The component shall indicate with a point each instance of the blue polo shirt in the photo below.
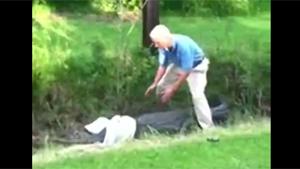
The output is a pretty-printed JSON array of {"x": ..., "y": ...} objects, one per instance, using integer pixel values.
[{"x": 184, "y": 53}]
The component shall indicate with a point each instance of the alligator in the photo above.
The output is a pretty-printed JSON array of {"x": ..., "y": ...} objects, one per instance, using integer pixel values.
[{"x": 171, "y": 122}]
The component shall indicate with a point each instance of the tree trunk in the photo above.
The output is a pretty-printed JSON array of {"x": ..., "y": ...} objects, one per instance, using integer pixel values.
[{"x": 150, "y": 20}]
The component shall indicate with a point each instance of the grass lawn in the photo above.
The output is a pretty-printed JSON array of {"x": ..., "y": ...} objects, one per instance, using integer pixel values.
[
  {"x": 240, "y": 147},
  {"x": 249, "y": 34}
]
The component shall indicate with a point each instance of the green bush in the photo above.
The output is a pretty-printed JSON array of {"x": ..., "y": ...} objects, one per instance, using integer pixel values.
[
  {"x": 83, "y": 69},
  {"x": 91, "y": 6},
  {"x": 240, "y": 76},
  {"x": 213, "y": 7},
  {"x": 74, "y": 77},
  {"x": 49, "y": 43},
  {"x": 258, "y": 6},
  {"x": 228, "y": 7}
]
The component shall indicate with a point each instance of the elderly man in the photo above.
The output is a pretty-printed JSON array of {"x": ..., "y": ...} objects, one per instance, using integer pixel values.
[{"x": 180, "y": 60}]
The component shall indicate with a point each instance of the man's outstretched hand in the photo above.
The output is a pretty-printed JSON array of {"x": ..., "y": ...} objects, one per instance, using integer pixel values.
[
  {"x": 150, "y": 89},
  {"x": 167, "y": 94}
]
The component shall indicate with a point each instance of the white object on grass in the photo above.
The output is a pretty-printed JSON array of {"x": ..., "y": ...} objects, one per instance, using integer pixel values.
[
  {"x": 97, "y": 126},
  {"x": 118, "y": 129}
]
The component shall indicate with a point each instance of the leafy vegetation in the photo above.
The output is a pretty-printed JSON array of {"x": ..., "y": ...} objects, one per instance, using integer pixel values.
[{"x": 84, "y": 66}]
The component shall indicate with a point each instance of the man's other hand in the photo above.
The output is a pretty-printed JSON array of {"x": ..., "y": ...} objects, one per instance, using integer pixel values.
[
  {"x": 150, "y": 89},
  {"x": 167, "y": 94}
]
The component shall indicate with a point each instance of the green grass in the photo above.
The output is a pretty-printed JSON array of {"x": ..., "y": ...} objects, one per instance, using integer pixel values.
[
  {"x": 66, "y": 53},
  {"x": 94, "y": 81},
  {"x": 210, "y": 33},
  {"x": 242, "y": 146},
  {"x": 229, "y": 33}
]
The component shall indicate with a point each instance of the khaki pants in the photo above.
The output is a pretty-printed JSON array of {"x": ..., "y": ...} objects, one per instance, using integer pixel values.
[{"x": 197, "y": 82}]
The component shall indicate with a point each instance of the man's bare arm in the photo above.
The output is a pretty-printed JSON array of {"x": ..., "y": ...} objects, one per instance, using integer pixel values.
[
  {"x": 159, "y": 74},
  {"x": 167, "y": 94},
  {"x": 182, "y": 76}
]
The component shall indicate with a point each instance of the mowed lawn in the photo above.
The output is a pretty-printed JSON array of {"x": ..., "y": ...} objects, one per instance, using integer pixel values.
[
  {"x": 243, "y": 147},
  {"x": 249, "y": 34}
]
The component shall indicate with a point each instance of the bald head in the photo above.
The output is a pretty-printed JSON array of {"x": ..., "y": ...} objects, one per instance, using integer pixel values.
[
  {"x": 160, "y": 31},
  {"x": 161, "y": 36}
]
